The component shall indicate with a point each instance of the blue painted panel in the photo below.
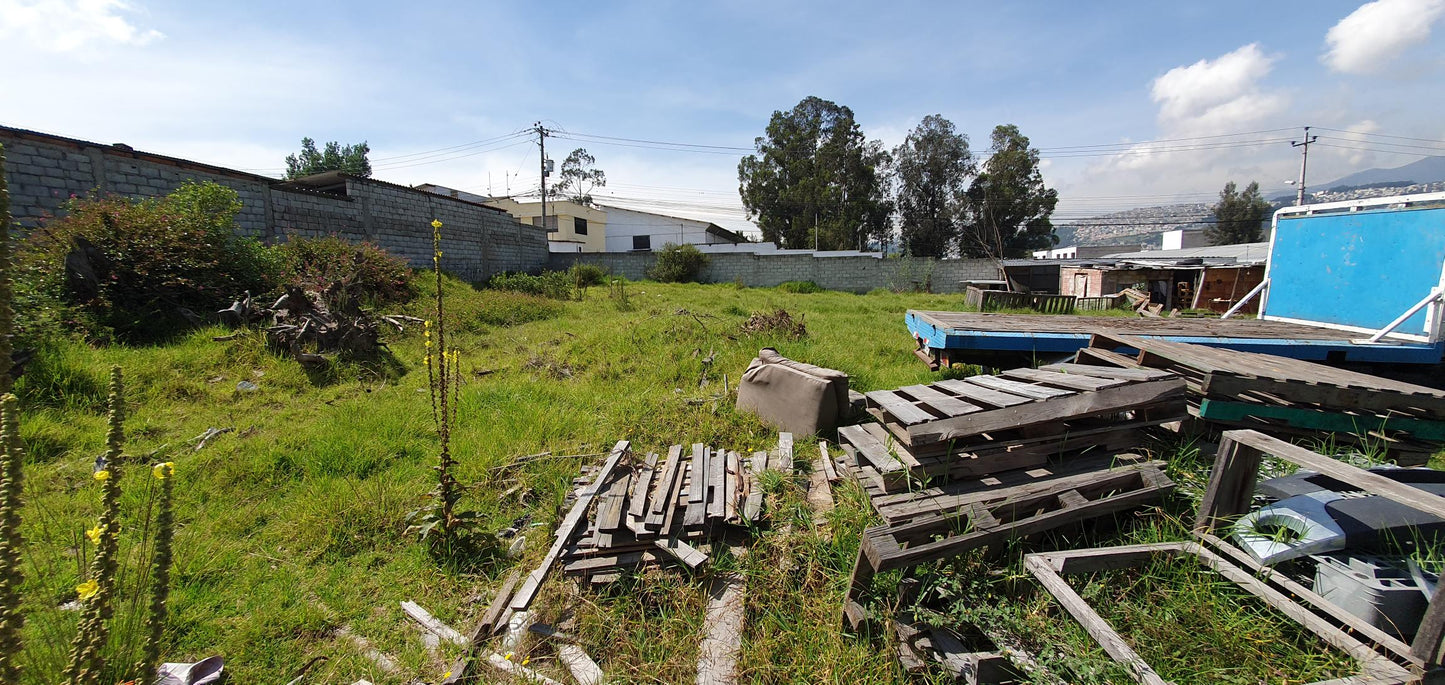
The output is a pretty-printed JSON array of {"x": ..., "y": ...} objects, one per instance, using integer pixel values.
[
  {"x": 1064, "y": 343},
  {"x": 1356, "y": 269}
]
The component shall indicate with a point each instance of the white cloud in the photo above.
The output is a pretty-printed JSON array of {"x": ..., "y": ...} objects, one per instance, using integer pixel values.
[
  {"x": 1218, "y": 95},
  {"x": 67, "y": 25},
  {"x": 1376, "y": 33}
]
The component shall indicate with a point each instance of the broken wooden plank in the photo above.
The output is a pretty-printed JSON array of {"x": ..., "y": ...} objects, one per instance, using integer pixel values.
[
  {"x": 730, "y": 499},
  {"x": 871, "y": 449},
  {"x": 753, "y": 506},
  {"x": 637, "y": 500},
  {"x": 717, "y": 472},
  {"x": 697, "y": 488},
  {"x": 565, "y": 530},
  {"x": 829, "y": 468},
  {"x": 583, "y": 669},
  {"x": 431, "y": 624},
  {"x": 782, "y": 458},
  {"x": 683, "y": 552},
  {"x": 717, "y": 659}
]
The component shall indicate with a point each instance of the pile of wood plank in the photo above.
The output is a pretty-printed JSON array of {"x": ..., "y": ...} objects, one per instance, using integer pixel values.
[
  {"x": 1280, "y": 394},
  {"x": 654, "y": 508},
  {"x": 1018, "y": 419}
]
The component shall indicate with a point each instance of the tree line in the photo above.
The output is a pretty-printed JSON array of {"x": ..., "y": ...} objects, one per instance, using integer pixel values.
[{"x": 816, "y": 181}]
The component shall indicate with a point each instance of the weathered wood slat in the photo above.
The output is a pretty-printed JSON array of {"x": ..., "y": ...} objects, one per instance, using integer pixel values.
[
  {"x": 1120, "y": 373},
  {"x": 904, "y": 411},
  {"x": 948, "y": 405},
  {"x": 871, "y": 449},
  {"x": 1030, "y": 391},
  {"x": 1063, "y": 380},
  {"x": 717, "y": 463},
  {"x": 1074, "y": 405},
  {"x": 697, "y": 488},
  {"x": 637, "y": 499},
  {"x": 978, "y": 394}
]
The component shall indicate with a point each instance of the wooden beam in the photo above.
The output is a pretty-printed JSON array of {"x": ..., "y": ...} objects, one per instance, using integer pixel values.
[
  {"x": 1076, "y": 405},
  {"x": 1230, "y": 491},
  {"x": 1373, "y": 483}
]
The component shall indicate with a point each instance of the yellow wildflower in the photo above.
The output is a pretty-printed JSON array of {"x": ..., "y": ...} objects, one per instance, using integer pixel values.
[
  {"x": 509, "y": 656},
  {"x": 94, "y": 534},
  {"x": 446, "y": 675},
  {"x": 101, "y": 475},
  {"x": 436, "y": 223},
  {"x": 87, "y": 589},
  {"x": 163, "y": 471},
  {"x": 526, "y": 661}
]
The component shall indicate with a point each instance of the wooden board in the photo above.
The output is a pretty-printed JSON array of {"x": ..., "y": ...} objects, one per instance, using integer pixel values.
[
  {"x": 1110, "y": 400},
  {"x": 978, "y": 394}
]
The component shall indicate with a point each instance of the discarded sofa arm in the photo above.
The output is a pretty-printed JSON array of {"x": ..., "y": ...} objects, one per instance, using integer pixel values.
[{"x": 801, "y": 398}]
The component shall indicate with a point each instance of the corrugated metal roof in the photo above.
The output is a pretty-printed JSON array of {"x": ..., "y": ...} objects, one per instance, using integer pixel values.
[{"x": 1243, "y": 253}]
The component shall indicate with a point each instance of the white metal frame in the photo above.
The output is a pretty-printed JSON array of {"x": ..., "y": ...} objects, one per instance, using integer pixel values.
[{"x": 1433, "y": 303}]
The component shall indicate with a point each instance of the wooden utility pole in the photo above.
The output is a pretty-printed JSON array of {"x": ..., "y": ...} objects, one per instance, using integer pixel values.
[{"x": 1304, "y": 162}]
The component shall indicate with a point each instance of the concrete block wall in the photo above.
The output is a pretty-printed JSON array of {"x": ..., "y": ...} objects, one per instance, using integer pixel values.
[
  {"x": 44, "y": 172},
  {"x": 852, "y": 274}
]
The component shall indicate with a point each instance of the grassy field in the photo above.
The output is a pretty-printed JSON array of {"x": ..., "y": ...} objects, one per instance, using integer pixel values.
[{"x": 291, "y": 544}]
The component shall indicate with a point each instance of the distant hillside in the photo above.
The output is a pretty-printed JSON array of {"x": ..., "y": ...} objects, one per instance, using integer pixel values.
[
  {"x": 1427, "y": 170},
  {"x": 1134, "y": 227}
]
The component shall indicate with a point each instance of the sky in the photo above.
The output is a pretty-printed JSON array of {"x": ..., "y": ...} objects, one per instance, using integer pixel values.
[{"x": 1130, "y": 103}]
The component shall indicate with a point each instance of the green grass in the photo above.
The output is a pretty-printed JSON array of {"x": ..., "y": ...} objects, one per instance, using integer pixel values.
[{"x": 291, "y": 527}]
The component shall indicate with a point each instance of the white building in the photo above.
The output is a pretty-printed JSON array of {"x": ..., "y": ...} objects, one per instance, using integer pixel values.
[{"x": 631, "y": 230}]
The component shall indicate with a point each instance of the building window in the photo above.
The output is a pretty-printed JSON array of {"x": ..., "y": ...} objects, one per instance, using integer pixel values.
[
  {"x": 579, "y": 225},
  {"x": 642, "y": 243}
]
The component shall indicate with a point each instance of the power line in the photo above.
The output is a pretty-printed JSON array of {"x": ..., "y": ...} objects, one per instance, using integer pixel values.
[{"x": 1382, "y": 135}]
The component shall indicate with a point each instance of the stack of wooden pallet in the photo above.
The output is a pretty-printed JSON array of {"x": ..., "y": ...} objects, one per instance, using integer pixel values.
[
  {"x": 654, "y": 508},
  {"x": 1281, "y": 394},
  {"x": 1018, "y": 419}
]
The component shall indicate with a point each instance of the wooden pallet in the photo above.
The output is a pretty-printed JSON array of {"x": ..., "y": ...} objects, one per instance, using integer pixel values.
[
  {"x": 1039, "y": 504},
  {"x": 1260, "y": 390},
  {"x": 952, "y": 410}
]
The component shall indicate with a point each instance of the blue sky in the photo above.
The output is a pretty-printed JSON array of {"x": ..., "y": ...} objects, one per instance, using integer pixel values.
[{"x": 238, "y": 84}]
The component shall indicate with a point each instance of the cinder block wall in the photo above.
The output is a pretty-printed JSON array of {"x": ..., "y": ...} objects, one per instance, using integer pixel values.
[
  {"x": 852, "y": 274},
  {"x": 43, "y": 172}
]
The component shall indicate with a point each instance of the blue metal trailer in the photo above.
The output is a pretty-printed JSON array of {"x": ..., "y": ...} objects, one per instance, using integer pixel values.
[{"x": 1358, "y": 281}]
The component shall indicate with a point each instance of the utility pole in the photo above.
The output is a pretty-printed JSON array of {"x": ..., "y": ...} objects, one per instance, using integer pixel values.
[
  {"x": 542, "y": 143},
  {"x": 1303, "y": 163}
]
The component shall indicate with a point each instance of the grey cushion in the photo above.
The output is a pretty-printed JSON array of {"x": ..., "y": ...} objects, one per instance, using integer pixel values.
[{"x": 793, "y": 396}]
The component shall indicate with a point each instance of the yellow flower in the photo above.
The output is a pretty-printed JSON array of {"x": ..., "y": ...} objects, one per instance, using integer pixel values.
[
  {"x": 101, "y": 475},
  {"x": 163, "y": 471},
  {"x": 526, "y": 661},
  {"x": 87, "y": 589},
  {"x": 446, "y": 675},
  {"x": 509, "y": 656},
  {"x": 94, "y": 534},
  {"x": 436, "y": 223}
]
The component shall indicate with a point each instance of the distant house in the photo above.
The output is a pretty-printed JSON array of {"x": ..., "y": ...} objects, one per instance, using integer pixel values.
[
  {"x": 1078, "y": 251},
  {"x": 632, "y": 230},
  {"x": 1212, "y": 278},
  {"x": 571, "y": 227}
]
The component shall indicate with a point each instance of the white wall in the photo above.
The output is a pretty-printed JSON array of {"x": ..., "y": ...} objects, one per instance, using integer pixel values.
[{"x": 623, "y": 224}]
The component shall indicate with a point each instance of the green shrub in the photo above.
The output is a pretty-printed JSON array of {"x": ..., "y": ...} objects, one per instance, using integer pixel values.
[
  {"x": 315, "y": 263},
  {"x": 506, "y": 308},
  {"x": 587, "y": 275},
  {"x": 554, "y": 284},
  {"x": 803, "y": 287},
  {"x": 677, "y": 264},
  {"x": 145, "y": 270}
]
